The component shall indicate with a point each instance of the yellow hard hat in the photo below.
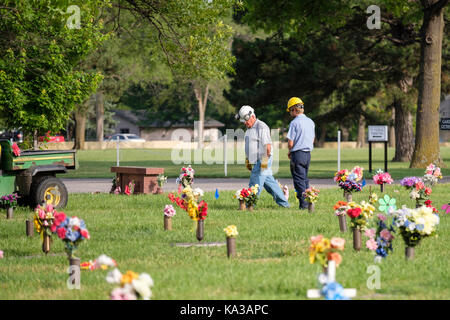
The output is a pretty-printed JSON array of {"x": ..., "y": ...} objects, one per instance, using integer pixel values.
[{"x": 292, "y": 102}]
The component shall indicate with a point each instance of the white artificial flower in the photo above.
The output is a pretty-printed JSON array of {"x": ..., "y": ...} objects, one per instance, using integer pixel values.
[
  {"x": 105, "y": 260},
  {"x": 142, "y": 288},
  {"x": 414, "y": 195},
  {"x": 146, "y": 278},
  {"x": 114, "y": 276},
  {"x": 198, "y": 192},
  {"x": 74, "y": 222}
]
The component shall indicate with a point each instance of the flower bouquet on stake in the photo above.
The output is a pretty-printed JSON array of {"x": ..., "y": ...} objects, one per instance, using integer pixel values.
[
  {"x": 129, "y": 189},
  {"x": 340, "y": 210},
  {"x": 186, "y": 178},
  {"x": 102, "y": 262},
  {"x": 43, "y": 220},
  {"x": 169, "y": 212},
  {"x": 311, "y": 196},
  {"x": 360, "y": 215},
  {"x": 380, "y": 239},
  {"x": 231, "y": 233},
  {"x": 247, "y": 196},
  {"x": 432, "y": 175},
  {"x": 9, "y": 202},
  {"x": 132, "y": 285},
  {"x": 161, "y": 180},
  {"x": 382, "y": 178},
  {"x": 322, "y": 250},
  {"x": 414, "y": 225},
  {"x": 348, "y": 181},
  {"x": 72, "y": 231},
  {"x": 115, "y": 188}
]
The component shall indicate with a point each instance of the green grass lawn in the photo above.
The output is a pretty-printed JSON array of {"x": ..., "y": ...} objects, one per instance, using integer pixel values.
[
  {"x": 272, "y": 251},
  {"x": 97, "y": 163}
]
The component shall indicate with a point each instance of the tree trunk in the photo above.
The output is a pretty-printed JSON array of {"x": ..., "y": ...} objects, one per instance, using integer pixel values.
[
  {"x": 100, "y": 111},
  {"x": 202, "y": 99},
  {"x": 345, "y": 133},
  {"x": 404, "y": 133},
  {"x": 426, "y": 148},
  {"x": 323, "y": 133},
  {"x": 361, "y": 132},
  {"x": 392, "y": 129},
  {"x": 80, "y": 128}
]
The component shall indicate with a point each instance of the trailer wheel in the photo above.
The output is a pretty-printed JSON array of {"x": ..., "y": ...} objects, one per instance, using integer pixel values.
[{"x": 50, "y": 190}]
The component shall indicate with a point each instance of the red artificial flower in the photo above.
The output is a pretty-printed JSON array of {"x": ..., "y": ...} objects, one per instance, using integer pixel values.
[
  {"x": 428, "y": 203},
  {"x": 427, "y": 191},
  {"x": 85, "y": 233},
  {"x": 127, "y": 190},
  {"x": 16, "y": 149},
  {"x": 354, "y": 213},
  {"x": 202, "y": 210},
  {"x": 171, "y": 197},
  {"x": 61, "y": 233}
]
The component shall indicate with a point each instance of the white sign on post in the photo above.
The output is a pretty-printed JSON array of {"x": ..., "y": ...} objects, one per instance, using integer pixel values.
[{"x": 378, "y": 133}]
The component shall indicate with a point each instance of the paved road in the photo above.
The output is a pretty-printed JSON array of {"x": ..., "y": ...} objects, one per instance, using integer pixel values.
[{"x": 207, "y": 184}]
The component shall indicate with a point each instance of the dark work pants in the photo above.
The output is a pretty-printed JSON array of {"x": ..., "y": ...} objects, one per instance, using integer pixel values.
[{"x": 299, "y": 170}]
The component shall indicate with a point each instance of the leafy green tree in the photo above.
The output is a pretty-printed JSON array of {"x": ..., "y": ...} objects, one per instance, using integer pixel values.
[{"x": 39, "y": 54}]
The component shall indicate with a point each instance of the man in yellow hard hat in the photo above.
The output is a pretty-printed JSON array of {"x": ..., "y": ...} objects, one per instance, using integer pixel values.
[{"x": 300, "y": 137}]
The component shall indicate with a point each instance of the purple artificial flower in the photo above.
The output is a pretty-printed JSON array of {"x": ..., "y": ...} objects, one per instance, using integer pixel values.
[{"x": 409, "y": 182}]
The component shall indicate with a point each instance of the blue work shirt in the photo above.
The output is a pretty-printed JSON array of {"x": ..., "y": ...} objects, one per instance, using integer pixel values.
[{"x": 301, "y": 132}]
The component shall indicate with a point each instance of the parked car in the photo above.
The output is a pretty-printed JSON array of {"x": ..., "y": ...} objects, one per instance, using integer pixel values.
[
  {"x": 52, "y": 138},
  {"x": 126, "y": 137}
]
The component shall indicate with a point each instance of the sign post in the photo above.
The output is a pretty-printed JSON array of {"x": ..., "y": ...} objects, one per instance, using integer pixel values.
[{"x": 378, "y": 134}]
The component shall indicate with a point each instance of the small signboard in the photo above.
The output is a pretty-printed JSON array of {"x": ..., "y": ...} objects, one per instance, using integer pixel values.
[
  {"x": 378, "y": 133},
  {"x": 445, "y": 124}
]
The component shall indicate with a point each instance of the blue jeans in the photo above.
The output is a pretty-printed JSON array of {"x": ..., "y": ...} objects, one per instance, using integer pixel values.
[
  {"x": 299, "y": 169},
  {"x": 264, "y": 178}
]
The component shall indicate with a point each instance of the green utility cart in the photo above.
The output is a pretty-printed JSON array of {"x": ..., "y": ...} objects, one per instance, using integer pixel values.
[{"x": 32, "y": 174}]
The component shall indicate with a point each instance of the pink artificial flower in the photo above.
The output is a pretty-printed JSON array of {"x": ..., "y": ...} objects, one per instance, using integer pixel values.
[
  {"x": 53, "y": 227},
  {"x": 381, "y": 217},
  {"x": 60, "y": 217},
  {"x": 41, "y": 214},
  {"x": 127, "y": 190},
  {"x": 427, "y": 191},
  {"x": 370, "y": 233},
  {"x": 316, "y": 239},
  {"x": 446, "y": 208},
  {"x": 371, "y": 244},
  {"x": 337, "y": 243},
  {"x": 61, "y": 233},
  {"x": 45, "y": 223},
  {"x": 1, "y": 254},
  {"x": 386, "y": 235},
  {"x": 419, "y": 185},
  {"x": 16, "y": 149},
  {"x": 437, "y": 173},
  {"x": 49, "y": 207}
]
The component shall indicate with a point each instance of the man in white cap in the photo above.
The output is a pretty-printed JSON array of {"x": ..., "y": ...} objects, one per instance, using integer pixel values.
[{"x": 258, "y": 151}]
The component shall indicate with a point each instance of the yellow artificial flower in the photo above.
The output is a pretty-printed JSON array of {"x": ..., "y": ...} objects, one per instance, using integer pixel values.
[
  {"x": 231, "y": 231},
  {"x": 128, "y": 277},
  {"x": 323, "y": 245},
  {"x": 37, "y": 224},
  {"x": 193, "y": 210}
]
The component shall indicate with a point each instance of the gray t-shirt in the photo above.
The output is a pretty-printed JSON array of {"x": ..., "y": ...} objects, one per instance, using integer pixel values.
[{"x": 256, "y": 140}]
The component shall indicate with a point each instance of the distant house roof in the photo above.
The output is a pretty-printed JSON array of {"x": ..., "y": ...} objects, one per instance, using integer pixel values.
[{"x": 140, "y": 118}]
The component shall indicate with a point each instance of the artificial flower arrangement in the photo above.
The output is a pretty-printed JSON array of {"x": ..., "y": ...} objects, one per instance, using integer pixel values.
[
  {"x": 432, "y": 175},
  {"x": 248, "y": 195},
  {"x": 103, "y": 262},
  {"x": 132, "y": 285},
  {"x": 70, "y": 230},
  {"x": 415, "y": 224},
  {"x": 340, "y": 208},
  {"x": 311, "y": 195},
  {"x": 231, "y": 231},
  {"x": 9, "y": 201},
  {"x": 419, "y": 191},
  {"x": 161, "y": 179},
  {"x": 115, "y": 188},
  {"x": 381, "y": 178},
  {"x": 169, "y": 211},
  {"x": 189, "y": 203},
  {"x": 129, "y": 189},
  {"x": 380, "y": 239},
  {"x": 44, "y": 218},
  {"x": 186, "y": 177},
  {"x": 322, "y": 250},
  {"x": 360, "y": 214},
  {"x": 348, "y": 181}
]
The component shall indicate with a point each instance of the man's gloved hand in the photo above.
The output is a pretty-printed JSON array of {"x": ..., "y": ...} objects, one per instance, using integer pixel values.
[
  {"x": 264, "y": 162},
  {"x": 248, "y": 165}
]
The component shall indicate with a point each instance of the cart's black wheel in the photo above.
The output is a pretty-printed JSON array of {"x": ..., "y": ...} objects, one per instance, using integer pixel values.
[{"x": 50, "y": 190}]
